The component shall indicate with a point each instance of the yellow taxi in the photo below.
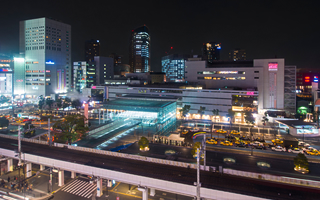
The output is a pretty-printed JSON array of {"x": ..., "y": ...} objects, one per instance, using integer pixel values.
[
  {"x": 277, "y": 141},
  {"x": 221, "y": 131},
  {"x": 211, "y": 141},
  {"x": 184, "y": 132},
  {"x": 226, "y": 143},
  {"x": 234, "y": 132},
  {"x": 313, "y": 152}
]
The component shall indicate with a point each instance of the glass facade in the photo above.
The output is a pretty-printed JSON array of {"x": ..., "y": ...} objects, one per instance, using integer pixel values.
[
  {"x": 140, "y": 50},
  {"x": 174, "y": 67}
]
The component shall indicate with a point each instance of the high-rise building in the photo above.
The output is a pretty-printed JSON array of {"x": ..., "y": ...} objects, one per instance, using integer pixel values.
[
  {"x": 211, "y": 51},
  {"x": 92, "y": 49},
  {"x": 139, "y": 55},
  {"x": 116, "y": 58},
  {"x": 174, "y": 67},
  {"x": 237, "y": 54},
  {"x": 46, "y": 46},
  {"x": 87, "y": 74},
  {"x": 6, "y": 75}
]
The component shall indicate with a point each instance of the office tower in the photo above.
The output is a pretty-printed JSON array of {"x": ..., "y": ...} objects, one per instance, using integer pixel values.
[
  {"x": 139, "y": 55},
  {"x": 174, "y": 67},
  {"x": 237, "y": 54},
  {"x": 46, "y": 46},
  {"x": 88, "y": 74},
  {"x": 92, "y": 49},
  {"x": 116, "y": 59},
  {"x": 211, "y": 51}
]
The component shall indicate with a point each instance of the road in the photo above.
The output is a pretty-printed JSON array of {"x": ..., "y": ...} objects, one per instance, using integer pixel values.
[{"x": 169, "y": 173}]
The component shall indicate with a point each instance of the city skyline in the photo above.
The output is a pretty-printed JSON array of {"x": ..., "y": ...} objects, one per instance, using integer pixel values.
[{"x": 263, "y": 29}]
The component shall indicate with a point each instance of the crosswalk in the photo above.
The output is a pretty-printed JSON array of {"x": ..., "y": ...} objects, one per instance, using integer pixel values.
[{"x": 80, "y": 188}]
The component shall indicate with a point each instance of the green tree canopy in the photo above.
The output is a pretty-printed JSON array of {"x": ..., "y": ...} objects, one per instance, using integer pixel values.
[
  {"x": 4, "y": 99},
  {"x": 59, "y": 103},
  {"x": 301, "y": 161},
  {"x": 231, "y": 114},
  {"x": 72, "y": 128},
  {"x": 76, "y": 104},
  {"x": 143, "y": 143},
  {"x": 201, "y": 111},
  {"x": 195, "y": 147},
  {"x": 249, "y": 117},
  {"x": 4, "y": 122},
  {"x": 185, "y": 110}
]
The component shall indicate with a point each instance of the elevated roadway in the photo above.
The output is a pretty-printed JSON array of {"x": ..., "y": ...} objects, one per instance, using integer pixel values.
[{"x": 162, "y": 177}]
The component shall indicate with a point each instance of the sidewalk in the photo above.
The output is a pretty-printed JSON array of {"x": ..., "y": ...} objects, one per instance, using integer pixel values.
[{"x": 29, "y": 192}]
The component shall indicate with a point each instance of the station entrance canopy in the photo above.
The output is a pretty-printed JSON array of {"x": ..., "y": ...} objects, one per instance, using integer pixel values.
[
  {"x": 151, "y": 112},
  {"x": 299, "y": 128}
]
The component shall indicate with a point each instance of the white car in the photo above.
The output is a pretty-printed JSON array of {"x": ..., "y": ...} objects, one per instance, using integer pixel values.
[
  {"x": 303, "y": 144},
  {"x": 309, "y": 149},
  {"x": 195, "y": 130},
  {"x": 256, "y": 143},
  {"x": 206, "y": 129},
  {"x": 295, "y": 150},
  {"x": 278, "y": 148}
]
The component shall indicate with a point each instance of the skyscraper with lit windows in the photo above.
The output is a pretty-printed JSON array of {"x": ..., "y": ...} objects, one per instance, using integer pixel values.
[
  {"x": 46, "y": 47},
  {"x": 211, "y": 51},
  {"x": 92, "y": 49},
  {"x": 139, "y": 55}
]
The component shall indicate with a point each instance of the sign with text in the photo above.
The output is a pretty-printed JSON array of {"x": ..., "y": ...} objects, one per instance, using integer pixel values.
[{"x": 273, "y": 66}]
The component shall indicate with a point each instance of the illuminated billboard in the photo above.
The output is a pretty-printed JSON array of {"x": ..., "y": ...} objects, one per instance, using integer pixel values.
[{"x": 273, "y": 66}]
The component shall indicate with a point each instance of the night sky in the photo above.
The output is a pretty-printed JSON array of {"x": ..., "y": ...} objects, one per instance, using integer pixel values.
[{"x": 264, "y": 28}]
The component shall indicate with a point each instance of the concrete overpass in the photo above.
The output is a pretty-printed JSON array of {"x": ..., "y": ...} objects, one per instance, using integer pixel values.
[{"x": 158, "y": 177}]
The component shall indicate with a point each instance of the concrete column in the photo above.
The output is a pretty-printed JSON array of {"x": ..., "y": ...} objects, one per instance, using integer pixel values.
[
  {"x": 29, "y": 170},
  {"x": 61, "y": 178},
  {"x": 268, "y": 130},
  {"x": 258, "y": 130},
  {"x": 144, "y": 191},
  {"x": 10, "y": 165},
  {"x": 99, "y": 187},
  {"x": 73, "y": 174},
  {"x": 42, "y": 167},
  {"x": 152, "y": 192}
]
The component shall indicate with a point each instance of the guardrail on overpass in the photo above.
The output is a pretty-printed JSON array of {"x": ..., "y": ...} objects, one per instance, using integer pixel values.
[
  {"x": 157, "y": 184},
  {"x": 116, "y": 154},
  {"x": 273, "y": 178}
]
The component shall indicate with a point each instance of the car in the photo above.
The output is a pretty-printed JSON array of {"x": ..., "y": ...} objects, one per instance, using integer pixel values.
[
  {"x": 312, "y": 152},
  {"x": 234, "y": 132},
  {"x": 278, "y": 148},
  {"x": 226, "y": 143},
  {"x": 242, "y": 145},
  {"x": 184, "y": 132},
  {"x": 211, "y": 141},
  {"x": 221, "y": 131},
  {"x": 303, "y": 144},
  {"x": 195, "y": 129},
  {"x": 206, "y": 130},
  {"x": 277, "y": 141},
  {"x": 295, "y": 150}
]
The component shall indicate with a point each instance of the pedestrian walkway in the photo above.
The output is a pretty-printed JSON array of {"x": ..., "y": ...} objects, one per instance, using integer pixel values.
[{"x": 80, "y": 188}]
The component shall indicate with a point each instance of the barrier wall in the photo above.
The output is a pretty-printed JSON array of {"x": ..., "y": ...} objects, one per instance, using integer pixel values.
[{"x": 268, "y": 177}]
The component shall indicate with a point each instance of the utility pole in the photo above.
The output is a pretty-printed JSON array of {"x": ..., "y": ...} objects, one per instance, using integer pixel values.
[{"x": 198, "y": 174}]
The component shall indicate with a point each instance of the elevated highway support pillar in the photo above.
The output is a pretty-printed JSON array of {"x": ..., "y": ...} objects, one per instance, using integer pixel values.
[
  {"x": 29, "y": 169},
  {"x": 99, "y": 187},
  {"x": 61, "y": 178},
  {"x": 152, "y": 192},
  {"x": 10, "y": 165},
  {"x": 144, "y": 191},
  {"x": 73, "y": 174},
  {"x": 42, "y": 167}
]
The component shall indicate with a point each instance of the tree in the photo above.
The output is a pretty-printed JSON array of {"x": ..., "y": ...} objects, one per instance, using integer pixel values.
[
  {"x": 196, "y": 146},
  {"x": 4, "y": 122},
  {"x": 27, "y": 126},
  {"x": 249, "y": 117},
  {"x": 66, "y": 103},
  {"x": 185, "y": 110},
  {"x": 143, "y": 143},
  {"x": 41, "y": 103},
  {"x": 49, "y": 102},
  {"x": 264, "y": 120},
  {"x": 201, "y": 111},
  {"x": 76, "y": 104},
  {"x": 59, "y": 103},
  {"x": 4, "y": 99},
  {"x": 301, "y": 161},
  {"x": 215, "y": 112},
  {"x": 231, "y": 114},
  {"x": 72, "y": 128}
]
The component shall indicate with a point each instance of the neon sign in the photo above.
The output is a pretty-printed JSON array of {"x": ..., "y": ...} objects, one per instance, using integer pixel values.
[
  {"x": 307, "y": 79},
  {"x": 273, "y": 66},
  {"x": 250, "y": 93},
  {"x": 315, "y": 79}
]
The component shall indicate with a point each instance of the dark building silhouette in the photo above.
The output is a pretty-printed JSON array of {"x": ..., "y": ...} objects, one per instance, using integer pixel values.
[
  {"x": 211, "y": 51},
  {"x": 92, "y": 49}
]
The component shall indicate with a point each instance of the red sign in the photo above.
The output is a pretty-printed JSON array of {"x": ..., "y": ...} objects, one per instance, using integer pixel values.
[{"x": 273, "y": 66}]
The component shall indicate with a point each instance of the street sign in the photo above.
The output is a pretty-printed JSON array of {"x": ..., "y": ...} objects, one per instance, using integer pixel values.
[{"x": 98, "y": 189}]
